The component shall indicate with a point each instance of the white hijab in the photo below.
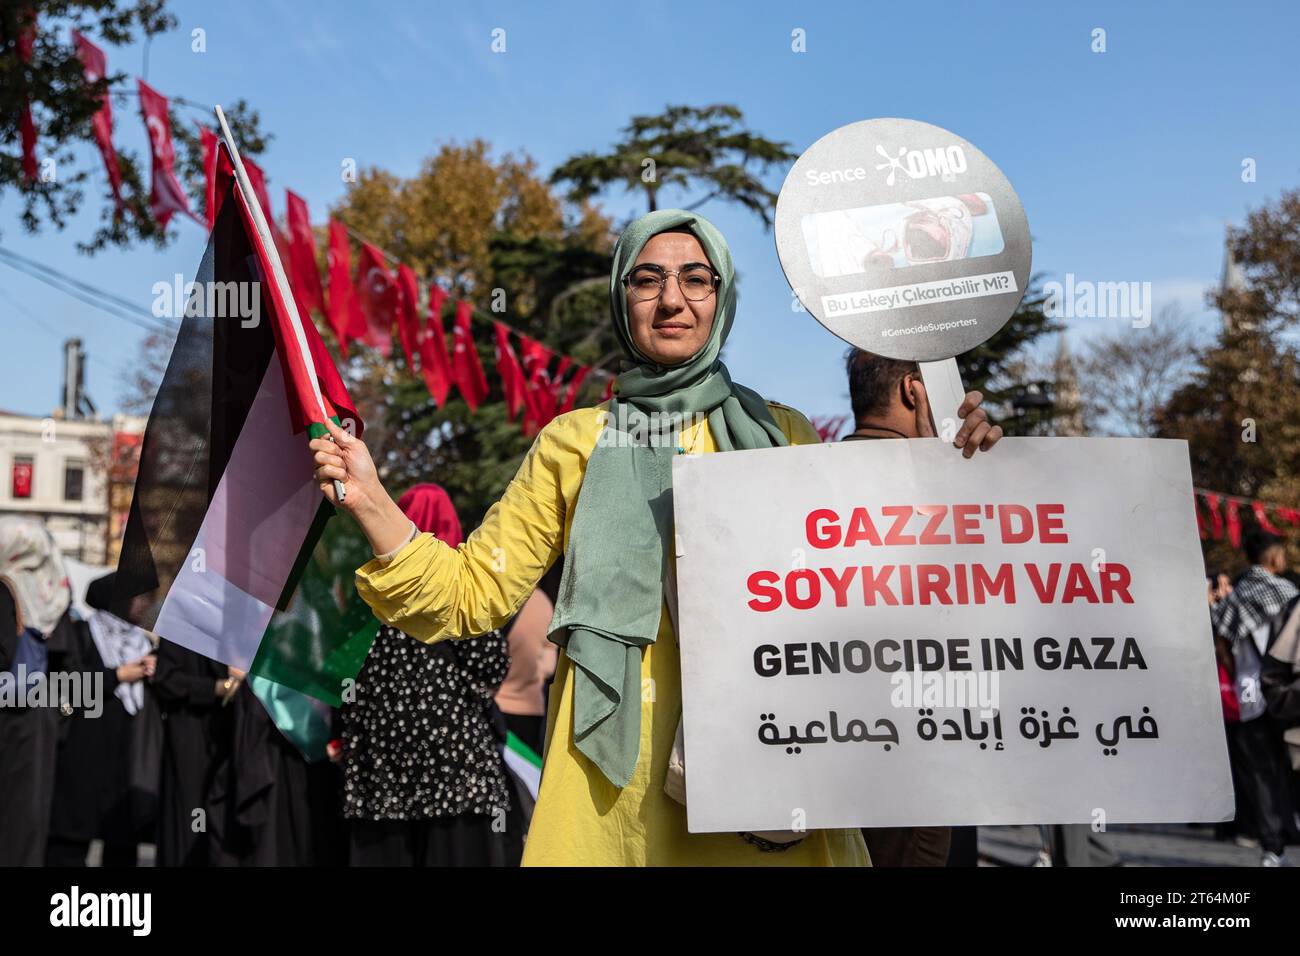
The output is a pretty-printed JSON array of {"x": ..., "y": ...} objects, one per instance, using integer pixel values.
[{"x": 33, "y": 568}]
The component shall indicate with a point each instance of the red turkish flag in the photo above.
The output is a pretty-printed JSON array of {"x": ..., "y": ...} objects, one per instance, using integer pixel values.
[
  {"x": 1261, "y": 518},
  {"x": 166, "y": 197},
  {"x": 208, "y": 142},
  {"x": 302, "y": 256},
  {"x": 344, "y": 313},
  {"x": 609, "y": 389},
  {"x": 257, "y": 179},
  {"x": 377, "y": 296},
  {"x": 466, "y": 370},
  {"x": 1216, "y": 518},
  {"x": 571, "y": 393},
  {"x": 408, "y": 324},
  {"x": 548, "y": 393},
  {"x": 434, "y": 364},
  {"x": 94, "y": 65},
  {"x": 26, "y": 125},
  {"x": 513, "y": 385},
  {"x": 536, "y": 357},
  {"x": 1234, "y": 523}
]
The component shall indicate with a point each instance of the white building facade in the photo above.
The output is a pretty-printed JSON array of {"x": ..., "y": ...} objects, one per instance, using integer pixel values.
[{"x": 58, "y": 472}]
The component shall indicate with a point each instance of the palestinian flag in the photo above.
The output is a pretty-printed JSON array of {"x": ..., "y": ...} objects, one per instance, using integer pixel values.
[{"x": 226, "y": 525}]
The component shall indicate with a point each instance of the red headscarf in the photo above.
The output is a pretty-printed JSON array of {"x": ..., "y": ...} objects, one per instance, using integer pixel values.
[{"x": 430, "y": 507}]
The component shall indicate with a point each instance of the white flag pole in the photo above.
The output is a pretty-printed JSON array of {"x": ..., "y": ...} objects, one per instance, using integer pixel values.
[{"x": 277, "y": 269}]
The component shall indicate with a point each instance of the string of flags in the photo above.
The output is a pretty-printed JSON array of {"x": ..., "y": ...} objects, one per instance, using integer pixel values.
[
  {"x": 1219, "y": 514},
  {"x": 829, "y": 427},
  {"x": 363, "y": 307}
]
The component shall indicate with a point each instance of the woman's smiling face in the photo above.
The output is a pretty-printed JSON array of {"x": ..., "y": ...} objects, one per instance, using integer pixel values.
[{"x": 670, "y": 329}]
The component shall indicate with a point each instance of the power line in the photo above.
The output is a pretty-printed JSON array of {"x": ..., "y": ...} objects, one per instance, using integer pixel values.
[
  {"x": 95, "y": 297},
  {"x": 126, "y": 304}
]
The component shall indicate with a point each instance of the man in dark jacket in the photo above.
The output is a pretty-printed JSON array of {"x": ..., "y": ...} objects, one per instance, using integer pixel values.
[{"x": 889, "y": 401}]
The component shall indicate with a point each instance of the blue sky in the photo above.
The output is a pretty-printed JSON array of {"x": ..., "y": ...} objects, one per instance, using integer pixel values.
[{"x": 1128, "y": 162}]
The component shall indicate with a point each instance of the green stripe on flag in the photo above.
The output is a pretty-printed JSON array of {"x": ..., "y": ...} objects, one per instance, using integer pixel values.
[
  {"x": 318, "y": 429},
  {"x": 523, "y": 750},
  {"x": 320, "y": 638}
]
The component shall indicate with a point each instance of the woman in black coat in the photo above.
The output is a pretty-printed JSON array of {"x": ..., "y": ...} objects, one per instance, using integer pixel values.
[
  {"x": 192, "y": 692},
  {"x": 92, "y": 793}
]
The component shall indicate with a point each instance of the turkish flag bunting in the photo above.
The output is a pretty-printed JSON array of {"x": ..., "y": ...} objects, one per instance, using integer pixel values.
[
  {"x": 434, "y": 365},
  {"x": 1234, "y": 523},
  {"x": 1216, "y": 518},
  {"x": 513, "y": 385},
  {"x": 1261, "y": 518},
  {"x": 344, "y": 313},
  {"x": 550, "y": 395},
  {"x": 94, "y": 65},
  {"x": 208, "y": 141},
  {"x": 26, "y": 125},
  {"x": 466, "y": 370},
  {"x": 536, "y": 357},
  {"x": 377, "y": 295},
  {"x": 302, "y": 256},
  {"x": 257, "y": 179},
  {"x": 408, "y": 304},
  {"x": 571, "y": 393},
  {"x": 166, "y": 197}
]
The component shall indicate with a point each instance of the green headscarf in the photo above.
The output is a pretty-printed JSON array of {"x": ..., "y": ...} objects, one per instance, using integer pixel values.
[{"x": 612, "y": 589}]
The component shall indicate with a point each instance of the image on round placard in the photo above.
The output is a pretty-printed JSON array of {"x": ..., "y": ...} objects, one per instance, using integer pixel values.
[{"x": 903, "y": 239}]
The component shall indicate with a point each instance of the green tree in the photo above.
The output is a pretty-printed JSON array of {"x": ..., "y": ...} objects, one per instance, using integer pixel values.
[
  {"x": 687, "y": 147},
  {"x": 1022, "y": 402},
  {"x": 63, "y": 103},
  {"x": 1240, "y": 413}
]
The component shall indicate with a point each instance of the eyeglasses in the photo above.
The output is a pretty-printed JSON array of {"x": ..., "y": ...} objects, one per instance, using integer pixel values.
[{"x": 697, "y": 282}]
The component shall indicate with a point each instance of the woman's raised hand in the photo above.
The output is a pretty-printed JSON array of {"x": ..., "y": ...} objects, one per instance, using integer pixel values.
[{"x": 347, "y": 459}]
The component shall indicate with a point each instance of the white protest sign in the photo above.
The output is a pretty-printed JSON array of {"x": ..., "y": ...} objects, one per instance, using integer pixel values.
[{"x": 875, "y": 634}]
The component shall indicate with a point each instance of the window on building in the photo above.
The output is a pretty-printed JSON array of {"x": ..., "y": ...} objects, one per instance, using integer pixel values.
[
  {"x": 22, "y": 477},
  {"x": 74, "y": 476}
]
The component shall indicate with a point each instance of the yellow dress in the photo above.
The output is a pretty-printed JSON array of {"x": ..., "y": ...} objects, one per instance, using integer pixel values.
[{"x": 434, "y": 592}]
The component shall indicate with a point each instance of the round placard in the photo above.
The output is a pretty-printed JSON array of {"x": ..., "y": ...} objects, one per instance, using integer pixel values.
[{"x": 903, "y": 239}]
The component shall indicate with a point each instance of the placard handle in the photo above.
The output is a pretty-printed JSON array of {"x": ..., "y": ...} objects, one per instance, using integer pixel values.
[{"x": 945, "y": 391}]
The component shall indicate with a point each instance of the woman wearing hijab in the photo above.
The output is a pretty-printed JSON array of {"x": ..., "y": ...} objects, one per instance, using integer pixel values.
[
  {"x": 592, "y": 489},
  {"x": 423, "y": 777},
  {"x": 34, "y": 597},
  {"x": 92, "y": 793}
]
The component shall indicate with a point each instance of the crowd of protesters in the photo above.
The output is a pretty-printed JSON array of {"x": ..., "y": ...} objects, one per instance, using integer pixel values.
[
  {"x": 189, "y": 754},
  {"x": 183, "y": 756},
  {"x": 1255, "y": 619},
  {"x": 110, "y": 735}
]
